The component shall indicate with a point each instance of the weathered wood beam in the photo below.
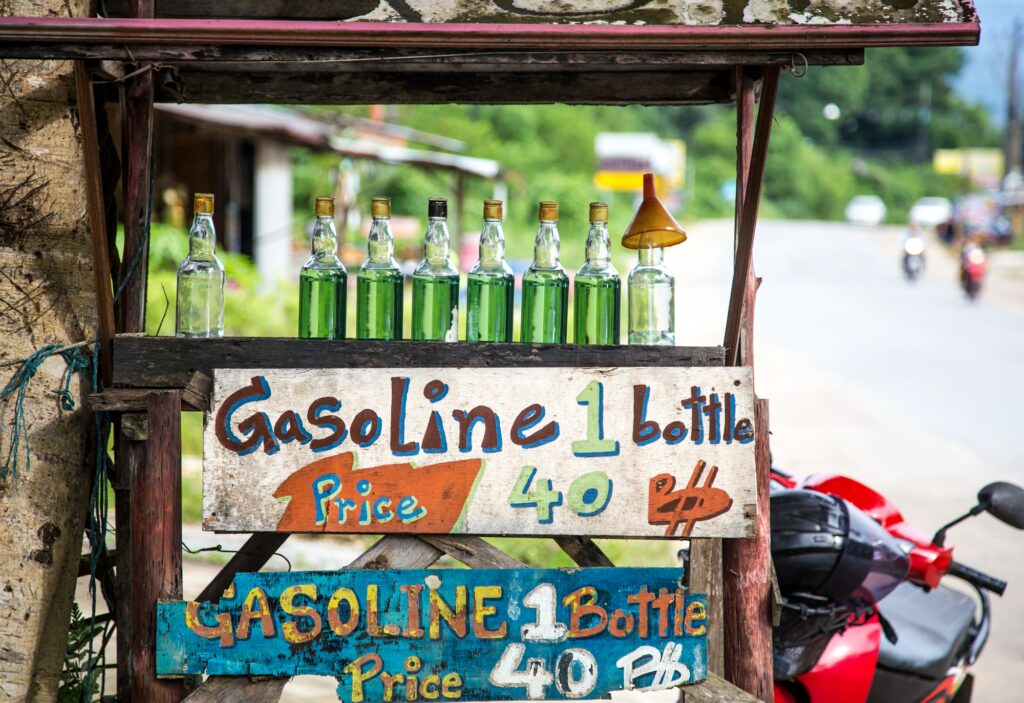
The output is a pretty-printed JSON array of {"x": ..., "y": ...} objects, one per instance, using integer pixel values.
[
  {"x": 168, "y": 362},
  {"x": 256, "y": 552},
  {"x": 198, "y": 83},
  {"x": 474, "y": 552},
  {"x": 238, "y": 689},
  {"x": 97, "y": 217},
  {"x": 748, "y": 584},
  {"x": 715, "y": 689},
  {"x": 195, "y": 395},
  {"x": 583, "y": 550},
  {"x": 155, "y": 545},
  {"x": 748, "y": 215}
]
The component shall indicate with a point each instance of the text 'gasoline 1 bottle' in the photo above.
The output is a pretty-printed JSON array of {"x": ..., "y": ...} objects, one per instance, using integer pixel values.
[
  {"x": 597, "y": 286},
  {"x": 323, "y": 281},
  {"x": 379, "y": 282},
  {"x": 490, "y": 284},
  {"x": 199, "y": 310},
  {"x": 545, "y": 285},
  {"x": 435, "y": 283}
]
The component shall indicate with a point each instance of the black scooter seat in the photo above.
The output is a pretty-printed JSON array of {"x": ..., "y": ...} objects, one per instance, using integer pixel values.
[{"x": 932, "y": 629}]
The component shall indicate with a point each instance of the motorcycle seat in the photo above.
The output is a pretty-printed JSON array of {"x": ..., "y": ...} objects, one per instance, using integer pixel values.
[{"x": 931, "y": 629}]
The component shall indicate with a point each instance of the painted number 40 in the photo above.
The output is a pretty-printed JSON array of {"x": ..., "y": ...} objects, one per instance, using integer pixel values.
[{"x": 575, "y": 674}]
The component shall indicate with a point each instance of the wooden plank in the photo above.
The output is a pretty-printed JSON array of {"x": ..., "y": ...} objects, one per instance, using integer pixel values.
[
  {"x": 747, "y": 567},
  {"x": 168, "y": 362},
  {"x": 256, "y": 552},
  {"x": 583, "y": 551},
  {"x": 473, "y": 552},
  {"x": 715, "y": 689},
  {"x": 748, "y": 216},
  {"x": 156, "y": 544},
  {"x": 586, "y": 632},
  {"x": 130, "y": 460},
  {"x": 706, "y": 577},
  {"x": 591, "y": 87},
  {"x": 613, "y": 452},
  {"x": 237, "y": 689},
  {"x": 195, "y": 395},
  {"x": 97, "y": 217}
]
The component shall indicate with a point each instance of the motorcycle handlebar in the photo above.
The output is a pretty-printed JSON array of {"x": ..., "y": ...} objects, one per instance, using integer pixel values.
[{"x": 979, "y": 579}]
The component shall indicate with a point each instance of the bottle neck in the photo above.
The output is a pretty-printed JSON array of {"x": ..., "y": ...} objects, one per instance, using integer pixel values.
[
  {"x": 381, "y": 242},
  {"x": 598, "y": 246},
  {"x": 653, "y": 256},
  {"x": 546, "y": 253},
  {"x": 202, "y": 239},
  {"x": 325, "y": 237},
  {"x": 437, "y": 242},
  {"x": 492, "y": 246}
]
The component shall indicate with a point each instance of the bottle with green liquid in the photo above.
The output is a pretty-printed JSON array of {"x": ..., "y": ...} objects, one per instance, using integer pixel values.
[
  {"x": 323, "y": 281},
  {"x": 379, "y": 282},
  {"x": 545, "y": 285},
  {"x": 199, "y": 308},
  {"x": 435, "y": 283},
  {"x": 596, "y": 289},
  {"x": 490, "y": 284}
]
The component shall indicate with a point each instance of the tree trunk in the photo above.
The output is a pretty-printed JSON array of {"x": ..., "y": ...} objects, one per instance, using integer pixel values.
[{"x": 46, "y": 296}]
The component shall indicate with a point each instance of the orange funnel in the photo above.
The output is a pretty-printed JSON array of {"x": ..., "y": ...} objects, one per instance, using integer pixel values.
[{"x": 652, "y": 226}]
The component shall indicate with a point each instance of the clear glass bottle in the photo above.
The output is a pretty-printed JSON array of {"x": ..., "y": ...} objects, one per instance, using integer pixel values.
[
  {"x": 323, "y": 281},
  {"x": 379, "y": 282},
  {"x": 652, "y": 308},
  {"x": 199, "y": 309},
  {"x": 597, "y": 287},
  {"x": 545, "y": 285},
  {"x": 435, "y": 283},
  {"x": 490, "y": 284}
]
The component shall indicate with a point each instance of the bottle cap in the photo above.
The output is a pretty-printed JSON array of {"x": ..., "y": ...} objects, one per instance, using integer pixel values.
[
  {"x": 549, "y": 211},
  {"x": 492, "y": 209},
  {"x": 381, "y": 207},
  {"x": 325, "y": 207},
  {"x": 598, "y": 212},
  {"x": 652, "y": 226},
  {"x": 437, "y": 207},
  {"x": 202, "y": 204}
]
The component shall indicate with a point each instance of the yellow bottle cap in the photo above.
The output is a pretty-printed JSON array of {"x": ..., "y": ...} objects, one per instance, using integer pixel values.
[
  {"x": 549, "y": 211},
  {"x": 598, "y": 212},
  {"x": 202, "y": 204},
  {"x": 492, "y": 210},
  {"x": 324, "y": 207},
  {"x": 381, "y": 207}
]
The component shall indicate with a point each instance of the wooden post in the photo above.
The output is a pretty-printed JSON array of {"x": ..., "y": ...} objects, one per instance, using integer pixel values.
[
  {"x": 747, "y": 568},
  {"x": 156, "y": 544},
  {"x": 136, "y": 155},
  {"x": 130, "y": 448}
]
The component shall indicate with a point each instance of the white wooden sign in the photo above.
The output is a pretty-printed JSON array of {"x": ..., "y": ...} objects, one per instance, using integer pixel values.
[{"x": 604, "y": 452}]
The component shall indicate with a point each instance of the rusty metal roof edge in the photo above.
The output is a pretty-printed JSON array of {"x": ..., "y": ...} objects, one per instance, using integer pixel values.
[{"x": 54, "y": 31}]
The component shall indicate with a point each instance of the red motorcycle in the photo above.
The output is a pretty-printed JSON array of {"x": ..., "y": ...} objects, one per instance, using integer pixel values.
[
  {"x": 865, "y": 617},
  {"x": 973, "y": 262}
]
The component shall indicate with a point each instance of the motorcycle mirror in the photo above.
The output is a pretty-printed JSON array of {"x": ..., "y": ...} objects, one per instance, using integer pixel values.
[{"x": 1005, "y": 502}]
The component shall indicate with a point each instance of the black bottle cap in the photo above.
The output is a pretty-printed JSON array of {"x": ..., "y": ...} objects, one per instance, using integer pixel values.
[{"x": 438, "y": 207}]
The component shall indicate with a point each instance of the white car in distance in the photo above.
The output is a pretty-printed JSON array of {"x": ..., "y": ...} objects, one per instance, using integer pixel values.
[
  {"x": 930, "y": 212},
  {"x": 865, "y": 210}
]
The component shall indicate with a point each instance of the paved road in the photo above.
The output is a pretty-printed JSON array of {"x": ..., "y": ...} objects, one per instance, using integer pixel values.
[{"x": 909, "y": 388}]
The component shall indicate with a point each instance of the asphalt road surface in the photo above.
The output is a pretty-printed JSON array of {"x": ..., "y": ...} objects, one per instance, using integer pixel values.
[{"x": 907, "y": 387}]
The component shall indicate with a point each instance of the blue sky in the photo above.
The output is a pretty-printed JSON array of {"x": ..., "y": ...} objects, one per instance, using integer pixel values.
[{"x": 984, "y": 78}]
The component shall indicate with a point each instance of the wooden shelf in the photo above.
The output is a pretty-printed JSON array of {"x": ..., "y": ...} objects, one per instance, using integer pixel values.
[{"x": 168, "y": 362}]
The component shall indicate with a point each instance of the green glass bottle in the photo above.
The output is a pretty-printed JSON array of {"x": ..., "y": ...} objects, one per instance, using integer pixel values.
[
  {"x": 435, "y": 283},
  {"x": 199, "y": 308},
  {"x": 379, "y": 282},
  {"x": 596, "y": 288},
  {"x": 323, "y": 281},
  {"x": 545, "y": 285},
  {"x": 490, "y": 284}
]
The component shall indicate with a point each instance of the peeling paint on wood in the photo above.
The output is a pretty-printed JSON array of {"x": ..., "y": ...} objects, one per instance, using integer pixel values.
[
  {"x": 481, "y": 634},
  {"x": 613, "y": 452}
]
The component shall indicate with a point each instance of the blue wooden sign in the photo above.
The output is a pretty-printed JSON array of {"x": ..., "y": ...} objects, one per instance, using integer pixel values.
[{"x": 450, "y": 634}]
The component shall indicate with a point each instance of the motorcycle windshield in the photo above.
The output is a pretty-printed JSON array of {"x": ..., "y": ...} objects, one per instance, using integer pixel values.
[{"x": 872, "y": 565}]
